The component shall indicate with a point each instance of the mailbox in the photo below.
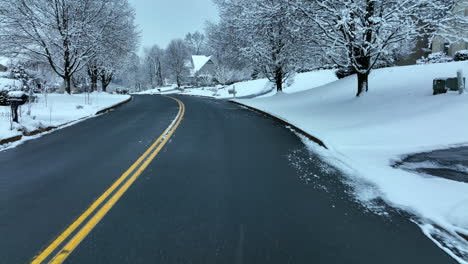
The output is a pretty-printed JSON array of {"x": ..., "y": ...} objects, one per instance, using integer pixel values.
[
  {"x": 16, "y": 98},
  {"x": 442, "y": 85}
]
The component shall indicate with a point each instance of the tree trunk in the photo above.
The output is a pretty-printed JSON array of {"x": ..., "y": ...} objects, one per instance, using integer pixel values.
[
  {"x": 93, "y": 77},
  {"x": 160, "y": 80},
  {"x": 104, "y": 85},
  {"x": 67, "y": 80},
  {"x": 14, "y": 111},
  {"x": 279, "y": 80},
  {"x": 93, "y": 86},
  {"x": 106, "y": 79},
  {"x": 178, "y": 81},
  {"x": 363, "y": 83}
]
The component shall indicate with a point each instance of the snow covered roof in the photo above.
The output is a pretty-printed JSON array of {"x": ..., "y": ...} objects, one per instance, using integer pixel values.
[
  {"x": 4, "y": 61},
  {"x": 199, "y": 61}
]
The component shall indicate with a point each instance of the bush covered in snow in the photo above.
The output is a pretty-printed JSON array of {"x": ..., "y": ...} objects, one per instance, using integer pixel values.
[
  {"x": 3, "y": 97},
  {"x": 438, "y": 57},
  {"x": 461, "y": 55},
  {"x": 121, "y": 91},
  {"x": 22, "y": 75},
  {"x": 345, "y": 72}
]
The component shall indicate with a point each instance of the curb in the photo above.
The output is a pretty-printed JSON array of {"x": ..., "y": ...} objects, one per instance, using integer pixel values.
[
  {"x": 105, "y": 110},
  {"x": 10, "y": 140},
  {"x": 50, "y": 128},
  {"x": 284, "y": 122},
  {"x": 39, "y": 131}
]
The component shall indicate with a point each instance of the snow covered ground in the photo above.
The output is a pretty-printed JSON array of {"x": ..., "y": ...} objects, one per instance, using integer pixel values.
[
  {"x": 367, "y": 135},
  {"x": 261, "y": 87},
  {"x": 56, "y": 110}
]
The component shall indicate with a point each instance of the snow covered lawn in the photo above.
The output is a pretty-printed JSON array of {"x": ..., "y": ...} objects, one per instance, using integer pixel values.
[
  {"x": 57, "y": 110},
  {"x": 261, "y": 87},
  {"x": 367, "y": 135}
]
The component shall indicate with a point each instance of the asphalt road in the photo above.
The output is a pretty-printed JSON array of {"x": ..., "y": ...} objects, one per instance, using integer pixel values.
[
  {"x": 449, "y": 163},
  {"x": 231, "y": 186}
]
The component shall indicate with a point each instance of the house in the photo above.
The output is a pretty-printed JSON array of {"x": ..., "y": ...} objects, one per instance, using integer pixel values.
[
  {"x": 202, "y": 66},
  {"x": 3, "y": 64},
  {"x": 440, "y": 44}
]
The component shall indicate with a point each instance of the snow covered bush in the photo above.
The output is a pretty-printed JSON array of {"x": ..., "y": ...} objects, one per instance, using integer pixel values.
[
  {"x": 461, "y": 55},
  {"x": 203, "y": 81},
  {"x": 345, "y": 72},
  {"x": 21, "y": 74},
  {"x": 438, "y": 57},
  {"x": 122, "y": 91},
  {"x": 3, "y": 97}
]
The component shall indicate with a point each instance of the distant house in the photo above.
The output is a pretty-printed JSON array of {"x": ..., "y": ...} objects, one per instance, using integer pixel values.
[
  {"x": 440, "y": 44},
  {"x": 3, "y": 64},
  {"x": 203, "y": 66}
]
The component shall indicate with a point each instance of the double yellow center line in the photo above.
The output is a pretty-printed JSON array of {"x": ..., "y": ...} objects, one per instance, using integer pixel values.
[{"x": 115, "y": 192}]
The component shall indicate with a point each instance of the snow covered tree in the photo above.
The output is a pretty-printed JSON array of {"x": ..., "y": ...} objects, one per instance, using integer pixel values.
[
  {"x": 153, "y": 65},
  {"x": 66, "y": 34},
  {"x": 360, "y": 33},
  {"x": 176, "y": 59},
  {"x": 132, "y": 74},
  {"x": 195, "y": 42},
  {"x": 225, "y": 46},
  {"x": 453, "y": 23},
  {"x": 119, "y": 40},
  {"x": 18, "y": 72},
  {"x": 272, "y": 41}
]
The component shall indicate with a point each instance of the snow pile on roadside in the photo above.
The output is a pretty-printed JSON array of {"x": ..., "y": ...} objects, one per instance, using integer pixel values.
[
  {"x": 163, "y": 90},
  {"x": 5, "y": 83},
  {"x": 254, "y": 88},
  {"x": 397, "y": 117},
  {"x": 56, "y": 110}
]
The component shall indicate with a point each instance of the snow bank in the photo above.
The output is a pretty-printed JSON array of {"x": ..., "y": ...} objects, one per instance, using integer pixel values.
[
  {"x": 5, "y": 83},
  {"x": 254, "y": 88},
  {"x": 398, "y": 116},
  {"x": 56, "y": 110}
]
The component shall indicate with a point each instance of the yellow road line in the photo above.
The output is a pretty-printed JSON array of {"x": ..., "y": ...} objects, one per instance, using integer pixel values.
[{"x": 74, "y": 242}]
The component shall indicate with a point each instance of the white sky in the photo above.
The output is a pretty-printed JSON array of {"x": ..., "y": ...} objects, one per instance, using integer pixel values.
[{"x": 160, "y": 21}]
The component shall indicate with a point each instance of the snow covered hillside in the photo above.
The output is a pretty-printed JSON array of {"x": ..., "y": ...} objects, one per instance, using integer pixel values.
[
  {"x": 261, "y": 87},
  {"x": 56, "y": 110},
  {"x": 397, "y": 117}
]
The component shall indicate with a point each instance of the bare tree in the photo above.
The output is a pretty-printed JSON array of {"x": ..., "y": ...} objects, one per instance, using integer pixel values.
[
  {"x": 67, "y": 34},
  {"x": 153, "y": 66},
  {"x": 272, "y": 42},
  {"x": 176, "y": 59},
  {"x": 195, "y": 42},
  {"x": 118, "y": 41},
  {"x": 222, "y": 41}
]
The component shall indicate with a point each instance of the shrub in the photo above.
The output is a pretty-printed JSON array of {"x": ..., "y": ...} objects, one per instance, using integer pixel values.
[
  {"x": 4, "y": 97},
  {"x": 122, "y": 91},
  {"x": 345, "y": 72},
  {"x": 461, "y": 55},
  {"x": 438, "y": 57}
]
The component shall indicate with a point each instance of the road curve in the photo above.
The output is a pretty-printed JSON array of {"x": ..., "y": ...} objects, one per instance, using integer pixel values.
[{"x": 229, "y": 187}]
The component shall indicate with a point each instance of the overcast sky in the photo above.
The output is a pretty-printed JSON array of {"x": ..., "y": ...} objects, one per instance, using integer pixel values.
[{"x": 163, "y": 20}]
